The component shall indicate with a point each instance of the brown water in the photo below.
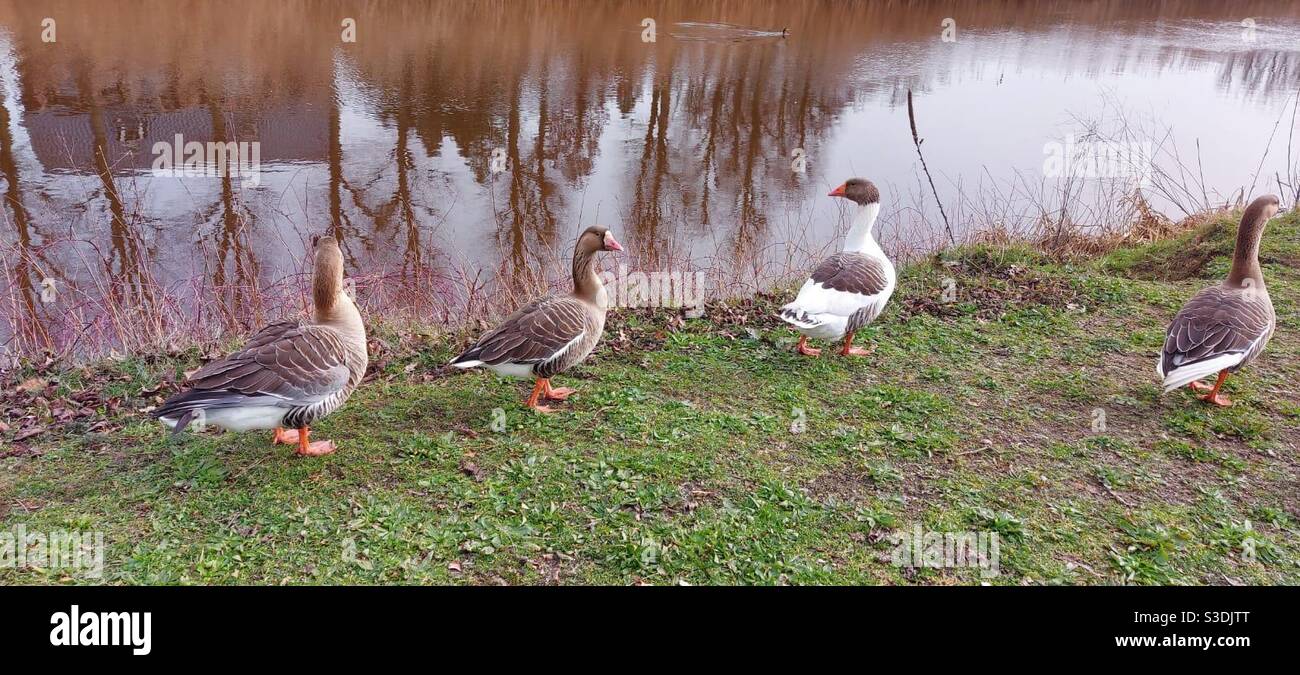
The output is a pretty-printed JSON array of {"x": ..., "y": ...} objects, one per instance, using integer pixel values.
[{"x": 685, "y": 146}]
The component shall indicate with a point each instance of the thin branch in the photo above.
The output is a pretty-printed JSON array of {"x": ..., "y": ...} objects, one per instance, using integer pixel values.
[{"x": 911, "y": 117}]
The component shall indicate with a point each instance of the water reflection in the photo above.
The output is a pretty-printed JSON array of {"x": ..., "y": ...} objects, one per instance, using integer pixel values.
[{"x": 456, "y": 148}]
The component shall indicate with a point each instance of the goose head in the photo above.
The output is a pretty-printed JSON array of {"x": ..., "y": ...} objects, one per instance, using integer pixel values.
[
  {"x": 586, "y": 280},
  {"x": 597, "y": 238},
  {"x": 327, "y": 268},
  {"x": 1245, "y": 256},
  {"x": 1270, "y": 205},
  {"x": 332, "y": 304},
  {"x": 859, "y": 190},
  {"x": 1263, "y": 209}
]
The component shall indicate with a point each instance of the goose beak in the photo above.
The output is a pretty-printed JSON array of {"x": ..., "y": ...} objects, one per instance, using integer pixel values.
[
  {"x": 611, "y": 244},
  {"x": 837, "y": 192}
]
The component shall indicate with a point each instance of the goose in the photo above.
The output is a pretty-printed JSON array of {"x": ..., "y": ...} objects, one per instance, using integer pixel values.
[
  {"x": 1224, "y": 327},
  {"x": 290, "y": 374},
  {"x": 848, "y": 290},
  {"x": 551, "y": 333}
]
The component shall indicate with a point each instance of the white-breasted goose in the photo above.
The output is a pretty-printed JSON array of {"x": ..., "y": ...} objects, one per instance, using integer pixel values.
[
  {"x": 848, "y": 290},
  {"x": 552, "y": 333},
  {"x": 290, "y": 374},
  {"x": 1224, "y": 327}
]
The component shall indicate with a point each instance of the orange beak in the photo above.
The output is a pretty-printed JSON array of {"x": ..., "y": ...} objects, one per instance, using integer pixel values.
[
  {"x": 837, "y": 192},
  {"x": 611, "y": 244}
]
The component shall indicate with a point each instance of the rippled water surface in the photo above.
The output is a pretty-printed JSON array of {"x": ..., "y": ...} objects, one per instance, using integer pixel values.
[{"x": 686, "y": 145}]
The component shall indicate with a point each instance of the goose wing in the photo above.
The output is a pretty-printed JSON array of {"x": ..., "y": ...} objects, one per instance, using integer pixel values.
[
  {"x": 538, "y": 332},
  {"x": 842, "y": 284},
  {"x": 1219, "y": 327},
  {"x": 288, "y": 364},
  {"x": 271, "y": 332}
]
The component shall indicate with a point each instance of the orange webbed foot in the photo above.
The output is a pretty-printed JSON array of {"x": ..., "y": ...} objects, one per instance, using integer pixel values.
[
  {"x": 849, "y": 350},
  {"x": 1214, "y": 396},
  {"x": 285, "y": 436},
  {"x": 316, "y": 448},
  {"x": 308, "y": 448},
  {"x": 1200, "y": 386},
  {"x": 561, "y": 393},
  {"x": 541, "y": 390},
  {"x": 804, "y": 349},
  {"x": 1217, "y": 399}
]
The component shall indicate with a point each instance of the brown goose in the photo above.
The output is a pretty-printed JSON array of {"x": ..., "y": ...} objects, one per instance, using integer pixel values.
[
  {"x": 552, "y": 333},
  {"x": 849, "y": 289},
  {"x": 290, "y": 374},
  {"x": 1223, "y": 327}
]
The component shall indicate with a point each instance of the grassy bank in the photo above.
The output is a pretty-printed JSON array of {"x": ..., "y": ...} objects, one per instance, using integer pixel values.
[{"x": 679, "y": 461}]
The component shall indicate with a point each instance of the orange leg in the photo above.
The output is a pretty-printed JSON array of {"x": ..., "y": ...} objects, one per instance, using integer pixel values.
[
  {"x": 1214, "y": 396},
  {"x": 539, "y": 390},
  {"x": 804, "y": 349},
  {"x": 308, "y": 449},
  {"x": 850, "y": 350},
  {"x": 285, "y": 436},
  {"x": 558, "y": 394}
]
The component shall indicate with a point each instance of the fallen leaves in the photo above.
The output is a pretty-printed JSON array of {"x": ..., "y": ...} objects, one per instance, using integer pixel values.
[
  {"x": 32, "y": 385},
  {"x": 27, "y": 433},
  {"x": 40, "y": 403},
  {"x": 20, "y": 450},
  {"x": 469, "y": 468},
  {"x": 989, "y": 292}
]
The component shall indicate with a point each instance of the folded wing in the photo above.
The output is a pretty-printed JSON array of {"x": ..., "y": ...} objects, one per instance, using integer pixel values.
[
  {"x": 840, "y": 286},
  {"x": 537, "y": 333},
  {"x": 286, "y": 364},
  {"x": 1217, "y": 329}
]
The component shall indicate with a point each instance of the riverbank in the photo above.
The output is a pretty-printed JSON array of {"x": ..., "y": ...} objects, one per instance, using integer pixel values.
[{"x": 705, "y": 451}]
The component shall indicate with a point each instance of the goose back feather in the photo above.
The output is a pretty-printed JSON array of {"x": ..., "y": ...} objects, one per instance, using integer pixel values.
[
  {"x": 545, "y": 337},
  {"x": 307, "y": 370},
  {"x": 1220, "y": 328}
]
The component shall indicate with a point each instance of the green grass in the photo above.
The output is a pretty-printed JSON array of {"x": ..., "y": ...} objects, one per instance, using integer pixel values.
[{"x": 710, "y": 453}]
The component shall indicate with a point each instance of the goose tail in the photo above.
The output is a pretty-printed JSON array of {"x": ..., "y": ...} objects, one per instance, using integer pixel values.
[
  {"x": 798, "y": 318},
  {"x": 1186, "y": 374}
]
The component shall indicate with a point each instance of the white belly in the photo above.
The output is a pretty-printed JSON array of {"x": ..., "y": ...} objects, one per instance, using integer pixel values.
[
  {"x": 237, "y": 419},
  {"x": 511, "y": 369},
  {"x": 831, "y": 327}
]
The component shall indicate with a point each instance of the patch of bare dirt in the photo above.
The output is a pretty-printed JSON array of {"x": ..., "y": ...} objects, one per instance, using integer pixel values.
[
  {"x": 993, "y": 291},
  {"x": 1184, "y": 262}
]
